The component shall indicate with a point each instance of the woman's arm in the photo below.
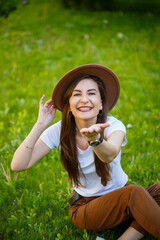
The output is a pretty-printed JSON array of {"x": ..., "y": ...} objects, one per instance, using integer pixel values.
[
  {"x": 110, "y": 147},
  {"x": 32, "y": 149}
]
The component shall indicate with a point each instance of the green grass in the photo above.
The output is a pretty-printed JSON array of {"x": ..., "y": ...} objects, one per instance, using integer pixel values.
[{"x": 39, "y": 43}]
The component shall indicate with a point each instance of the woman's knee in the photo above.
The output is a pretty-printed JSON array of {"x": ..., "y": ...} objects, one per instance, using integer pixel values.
[
  {"x": 135, "y": 188},
  {"x": 136, "y": 192}
]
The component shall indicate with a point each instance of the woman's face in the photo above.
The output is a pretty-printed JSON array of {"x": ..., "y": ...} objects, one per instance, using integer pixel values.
[{"x": 85, "y": 101}]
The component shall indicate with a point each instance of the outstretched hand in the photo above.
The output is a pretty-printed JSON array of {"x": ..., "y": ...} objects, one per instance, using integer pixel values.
[
  {"x": 93, "y": 132},
  {"x": 46, "y": 112}
]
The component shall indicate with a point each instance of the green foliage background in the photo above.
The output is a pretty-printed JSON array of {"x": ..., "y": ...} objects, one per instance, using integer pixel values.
[{"x": 39, "y": 43}]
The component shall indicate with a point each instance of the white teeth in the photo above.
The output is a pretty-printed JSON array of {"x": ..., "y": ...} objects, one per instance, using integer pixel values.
[{"x": 84, "y": 108}]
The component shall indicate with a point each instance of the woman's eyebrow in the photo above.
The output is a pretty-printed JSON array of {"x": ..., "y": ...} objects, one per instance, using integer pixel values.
[
  {"x": 92, "y": 90},
  {"x": 76, "y": 90}
]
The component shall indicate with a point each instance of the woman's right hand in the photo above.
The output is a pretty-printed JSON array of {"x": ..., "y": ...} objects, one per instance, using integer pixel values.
[{"x": 46, "y": 112}]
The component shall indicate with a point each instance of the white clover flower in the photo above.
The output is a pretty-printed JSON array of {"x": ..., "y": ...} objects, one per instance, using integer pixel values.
[
  {"x": 86, "y": 36},
  {"x": 129, "y": 125},
  {"x": 120, "y": 35},
  {"x": 105, "y": 21}
]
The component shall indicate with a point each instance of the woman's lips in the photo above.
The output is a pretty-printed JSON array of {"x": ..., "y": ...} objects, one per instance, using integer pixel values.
[{"x": 84, "y": 109}]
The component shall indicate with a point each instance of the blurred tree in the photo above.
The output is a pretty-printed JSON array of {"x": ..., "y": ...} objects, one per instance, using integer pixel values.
[
  {"x": 114, "y": 5},
  {"x": 7, "y": 6}
]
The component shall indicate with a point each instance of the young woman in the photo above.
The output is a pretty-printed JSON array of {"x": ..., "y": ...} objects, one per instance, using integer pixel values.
[{"x": 90, "y": 144}]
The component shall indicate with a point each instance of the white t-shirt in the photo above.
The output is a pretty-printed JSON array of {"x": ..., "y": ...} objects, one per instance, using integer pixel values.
[{"x": 91, "y": 181}]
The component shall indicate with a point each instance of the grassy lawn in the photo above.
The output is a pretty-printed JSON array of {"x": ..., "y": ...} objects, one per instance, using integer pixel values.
[{"x": 40, "y": 42}]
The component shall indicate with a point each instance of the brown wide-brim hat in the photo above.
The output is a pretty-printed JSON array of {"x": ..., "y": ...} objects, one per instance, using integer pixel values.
[{"x": 109, "y": 79}]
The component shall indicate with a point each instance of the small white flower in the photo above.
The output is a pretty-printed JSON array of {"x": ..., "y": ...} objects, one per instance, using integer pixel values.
[
  {"x": 120, "y": 35},
  {"x": 105, "y": 21},
  {"x": 129, "y": 125},
  {"x": 86, "y": 36}
]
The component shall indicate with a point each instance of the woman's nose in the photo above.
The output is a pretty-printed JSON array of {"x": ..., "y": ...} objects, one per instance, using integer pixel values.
[{"x": 84, "y": 98}]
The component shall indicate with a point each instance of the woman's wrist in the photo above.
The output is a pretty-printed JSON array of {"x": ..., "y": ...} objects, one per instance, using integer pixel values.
[
  {"x": 40, "y": 125},
  {"x": 96, "y": 142},
  {"x": 33, "y": 136},
  {"x": 93, "y": 138}
]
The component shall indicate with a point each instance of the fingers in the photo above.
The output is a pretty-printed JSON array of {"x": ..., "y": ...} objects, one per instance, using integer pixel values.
[
  {"x": 41, "y": 100},
  {"x": 52, "y": 109},
  {"x": 47, "y": 104},
  {"x": 104, "y": 125},
  {"x": 89, "y": 130},
  {"x": 84, "y": 130},
  {"x": 95, "y": 128}
]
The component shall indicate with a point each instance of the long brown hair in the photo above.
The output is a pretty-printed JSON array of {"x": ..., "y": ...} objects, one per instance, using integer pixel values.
[{"x": 68, "y": 154}]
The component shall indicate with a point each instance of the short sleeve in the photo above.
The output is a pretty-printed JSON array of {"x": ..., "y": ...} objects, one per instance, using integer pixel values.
[
  {"x": 115, "y": 125},
  {"x": 51, "y": 136}
]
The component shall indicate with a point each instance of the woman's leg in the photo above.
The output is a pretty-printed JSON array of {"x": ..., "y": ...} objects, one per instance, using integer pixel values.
[
  {"x": 154, "y": 192},
  {"x": 110, "y": 210},
  {"x": 131, "y": 234}
]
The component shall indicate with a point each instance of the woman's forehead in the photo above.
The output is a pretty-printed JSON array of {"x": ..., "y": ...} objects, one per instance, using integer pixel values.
[{"x": 87, "y": 83}]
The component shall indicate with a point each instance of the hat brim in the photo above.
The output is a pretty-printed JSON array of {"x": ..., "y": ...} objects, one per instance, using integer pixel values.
[{"x": 109, "y": 79}]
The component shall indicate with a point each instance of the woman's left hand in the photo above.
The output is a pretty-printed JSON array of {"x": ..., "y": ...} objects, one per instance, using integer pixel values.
[{"x": 93, "y": 132}]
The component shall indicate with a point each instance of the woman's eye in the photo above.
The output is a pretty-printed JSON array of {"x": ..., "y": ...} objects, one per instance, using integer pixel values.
[
  {"x": 92, "y": 93},
  {"x": 76, "y": 94}
]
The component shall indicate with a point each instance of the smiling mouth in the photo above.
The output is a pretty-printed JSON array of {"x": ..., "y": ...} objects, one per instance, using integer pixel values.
[{"x": 84, "y": 109}]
